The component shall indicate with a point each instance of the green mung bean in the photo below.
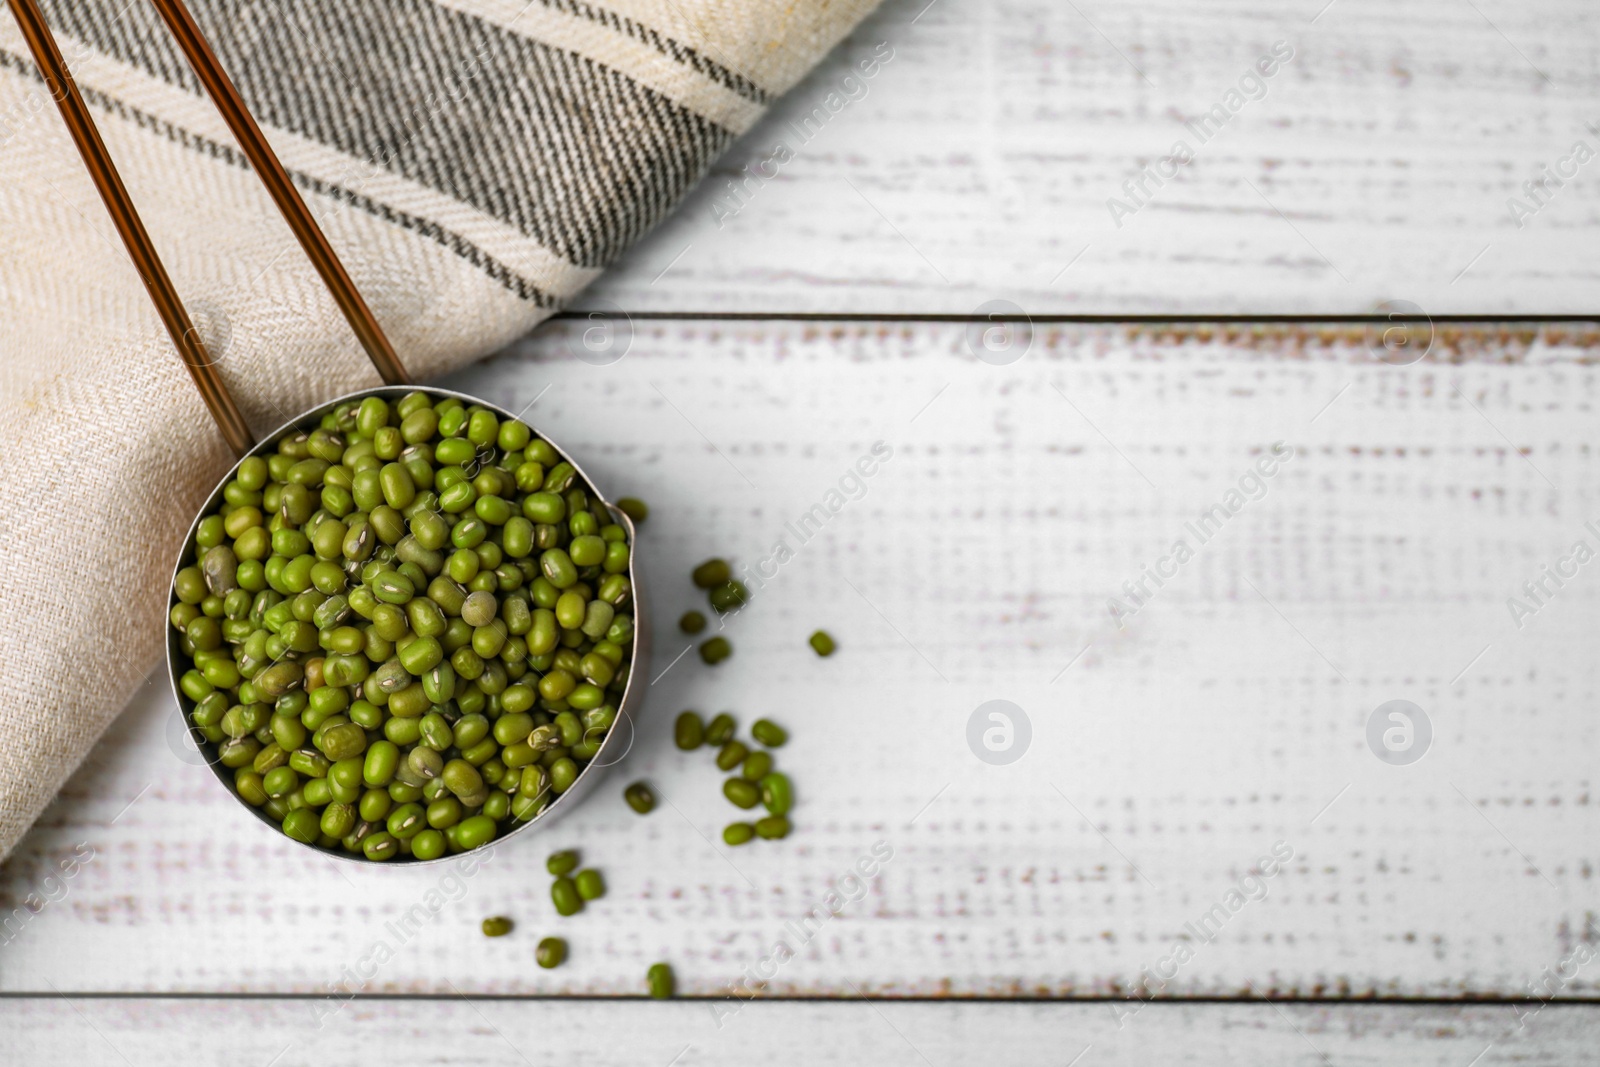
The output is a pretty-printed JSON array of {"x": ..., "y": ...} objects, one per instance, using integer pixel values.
[
  {"x": 689, "y": 733},
  {"x": 564, "y": 894},
  {"x": 772, "y": 827},
  {"x": 756, "y": 766},
  {"x": 712, "y": 573},
  {"x": 777, "y": 794},
  {"x": 741, "y": 792},
  {"x": 720, "y": 730},
  {"x": 822, "y": 643},
  {"x": 496, "y": 926},
  {"x": 715, "y": 650},
  {"x": 640, "y": 797},
  {"x": 738, "y": 833},
  {"x": 768, "y": 733},
  {"x": 692, "y": 622},
  {"x": 661, "y": 981},
  {"x": 591, "y": 885},
  {"x": 728, "y": 596},
  {"x": 731, "y": 755},
  {"x": 552, "y": 952}
]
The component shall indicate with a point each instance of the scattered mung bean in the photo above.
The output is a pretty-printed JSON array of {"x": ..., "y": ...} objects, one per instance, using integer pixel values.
[
  {"x": 719, "y": 731},
  {"x": 564, "y": 894},
  {"x": 712, "y": 573},
  {"x": 756, "y": 766},
  {"x": 742, "y": 792},
  {"x": 768, "y": 733},
  {"x": 689, "y": 733},
  {"x": 661, "y": 981},
  {"x": 591, "y": 885},
  {"x": 772, "y": 827},
  {"x": 640, "y": 797},
  {"x": 552, "y": 952}
]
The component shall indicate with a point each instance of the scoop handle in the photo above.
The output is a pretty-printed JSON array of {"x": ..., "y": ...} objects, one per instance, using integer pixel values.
[
  {"x": 103, "y": 172},
  {"x": 282, "y": 190}
]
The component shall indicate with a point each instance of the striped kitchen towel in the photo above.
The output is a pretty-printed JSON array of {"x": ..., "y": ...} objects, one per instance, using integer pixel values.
[{"x": 475, "y": 162}]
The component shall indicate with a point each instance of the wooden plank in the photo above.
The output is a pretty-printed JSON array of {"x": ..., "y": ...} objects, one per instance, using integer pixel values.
[
  {"x": 513, "y": 1034},
  {"x": 980, "y": 161},
  {"x": 1167, "y": 757}
]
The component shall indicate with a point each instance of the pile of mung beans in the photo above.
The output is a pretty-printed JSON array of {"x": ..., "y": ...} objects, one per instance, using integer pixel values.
[{"x": 407, "y": 629}]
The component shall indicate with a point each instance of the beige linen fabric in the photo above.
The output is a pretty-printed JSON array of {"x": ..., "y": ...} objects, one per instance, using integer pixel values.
[{"x": 475, "y": 162}]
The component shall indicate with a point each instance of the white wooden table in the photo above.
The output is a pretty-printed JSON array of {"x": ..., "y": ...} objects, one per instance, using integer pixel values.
[{"x": 1020, "y": 904}]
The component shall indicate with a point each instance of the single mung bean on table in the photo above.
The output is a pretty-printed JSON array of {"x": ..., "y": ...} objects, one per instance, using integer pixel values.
[
  {"x": 728, "y": 596},
  {"x": 565, "y": 896},
  {"x": 715, "y": 651},
  {"x": 822, "y": 643},
  {"x": 552, "y": 952},
  {"x": 591, "y": 885},
  {"x": 711, "y": 573},
  {"x": 689, "y": 732},
  {"x": 777, "y": 794},
  {"x": 374, "y": 593},
  {"x": 692, "y": 622},
  {"x": 496, "y": 926},
  {"x": 661, "y": 981},
  {"x": 719, "y": 731},
  {"x": 768, "y": 733},
  {"x": 742, "y": 792},
  {"x": 756, "y": 766},
  {"x": 640, "y": 797},
  {"x": 772, "y": 827}
]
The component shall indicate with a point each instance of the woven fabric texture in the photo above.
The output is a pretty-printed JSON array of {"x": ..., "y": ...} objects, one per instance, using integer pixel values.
[{"x": 475, "y": 162}]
